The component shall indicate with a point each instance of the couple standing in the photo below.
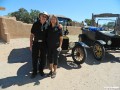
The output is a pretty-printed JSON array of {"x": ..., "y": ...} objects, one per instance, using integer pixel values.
[{"x": 46, "y": 37}]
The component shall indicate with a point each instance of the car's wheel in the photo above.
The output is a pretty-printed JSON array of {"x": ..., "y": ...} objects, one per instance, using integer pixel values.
[
  {"x": 79, "y": 54},
  {"x": 98, "y": 51}
]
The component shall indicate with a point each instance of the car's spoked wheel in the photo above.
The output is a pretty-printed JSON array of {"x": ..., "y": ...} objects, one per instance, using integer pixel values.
[
  {"x": 79, "y": 54},
  {"x": 98, "y": 51}
]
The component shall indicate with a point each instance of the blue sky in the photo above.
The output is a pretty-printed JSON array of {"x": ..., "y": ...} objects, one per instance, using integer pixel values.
[{"x": 77, "y": 10}]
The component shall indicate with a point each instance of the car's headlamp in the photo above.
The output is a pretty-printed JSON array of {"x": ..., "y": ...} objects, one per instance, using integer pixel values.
[
  {"x": 71, "y": 44},
  {"x": 109, "y": 42}
]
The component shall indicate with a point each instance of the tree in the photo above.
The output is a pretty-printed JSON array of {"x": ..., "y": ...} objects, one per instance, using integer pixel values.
[
  {"x": 24, "y": 16},
  {"x": 109, "y": 25},
  {"x": 88, "y": 22},
  {"x": 34, "y": 15},
  {"x": 21, "y": 15},
  {"x": 104, "y": 25}
]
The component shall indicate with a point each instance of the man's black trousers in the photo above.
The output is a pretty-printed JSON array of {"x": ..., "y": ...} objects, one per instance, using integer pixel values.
[{"x": 38, "y": 54}]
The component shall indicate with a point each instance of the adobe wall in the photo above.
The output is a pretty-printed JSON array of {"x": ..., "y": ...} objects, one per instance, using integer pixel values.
[
  {"x": 0, "y": 27},
  {"x": 74, "y": 30},
  {"x": 3, "y": 30},
  {"x": 11, "y": 29},
  {"x": 18, "y": 29}
]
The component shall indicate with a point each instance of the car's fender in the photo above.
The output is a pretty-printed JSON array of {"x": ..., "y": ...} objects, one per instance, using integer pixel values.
[
  {"x": 100, "y": 41},
  {"x": 81, "y": 35},
  {"x": 81, "y": 44}
]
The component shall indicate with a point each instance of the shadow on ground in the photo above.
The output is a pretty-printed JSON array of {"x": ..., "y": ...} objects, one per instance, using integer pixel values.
[
  {"x": 23, "y": 55},
  {"x": 2, "y": 41},
  {"x": 108, "y": 58},
  {"x": 67, "y": 64}
]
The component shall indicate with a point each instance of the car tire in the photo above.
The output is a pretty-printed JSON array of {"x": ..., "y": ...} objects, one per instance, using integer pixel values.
[
  {"x": 80, "y": 55},
  {"x": 98, "y": 51}
]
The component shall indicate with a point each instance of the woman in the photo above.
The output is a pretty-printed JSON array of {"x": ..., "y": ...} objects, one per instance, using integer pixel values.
[{"x": 54, "y": 42}]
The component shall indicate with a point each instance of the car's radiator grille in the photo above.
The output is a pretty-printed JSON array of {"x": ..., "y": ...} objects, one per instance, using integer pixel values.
[
  {"x": 115, "y": 42},
  {"x": 65, "y": 44}
]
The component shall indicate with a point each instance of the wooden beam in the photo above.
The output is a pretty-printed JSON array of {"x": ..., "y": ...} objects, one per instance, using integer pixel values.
[{"x": 2, "y": 8}]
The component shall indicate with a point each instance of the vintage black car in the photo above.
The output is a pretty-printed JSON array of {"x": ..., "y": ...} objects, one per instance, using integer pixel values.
[
  {"x": 78, "y": 52},
  {"x": 100, "y": 39}
]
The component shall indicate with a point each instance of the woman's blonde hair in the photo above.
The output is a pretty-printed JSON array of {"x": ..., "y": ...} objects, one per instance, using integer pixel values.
[{"x": 57, "y": 22}]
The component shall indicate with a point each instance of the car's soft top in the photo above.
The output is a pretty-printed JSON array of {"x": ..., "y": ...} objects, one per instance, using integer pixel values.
[{"x": 92, "y": 28}]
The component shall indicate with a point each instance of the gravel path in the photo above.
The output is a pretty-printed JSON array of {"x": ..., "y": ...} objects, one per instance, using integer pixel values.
[{"x": 15, "y": 69}]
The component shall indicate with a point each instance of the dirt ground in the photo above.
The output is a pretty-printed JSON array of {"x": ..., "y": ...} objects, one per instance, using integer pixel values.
[{"x": 15, "y": 70}]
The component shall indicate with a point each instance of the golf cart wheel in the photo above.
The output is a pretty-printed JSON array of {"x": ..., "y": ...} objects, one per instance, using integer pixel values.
[
  {"x": 79, "y": 54},
  {"x": 98, "y": 51}
]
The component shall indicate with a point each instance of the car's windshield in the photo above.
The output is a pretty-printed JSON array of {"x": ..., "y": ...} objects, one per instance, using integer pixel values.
[
  {"x": 64, "y": 21},
  {"x": 106, "y": 24}
]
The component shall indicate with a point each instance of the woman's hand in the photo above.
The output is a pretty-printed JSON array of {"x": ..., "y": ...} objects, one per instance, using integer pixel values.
[{"x": 59, "y": 49}]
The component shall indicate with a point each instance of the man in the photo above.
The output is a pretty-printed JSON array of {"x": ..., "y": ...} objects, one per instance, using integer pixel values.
[{"x": 38, "y": 44}]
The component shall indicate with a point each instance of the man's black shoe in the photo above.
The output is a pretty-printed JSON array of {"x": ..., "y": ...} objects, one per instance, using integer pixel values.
[
  {"x": 42, "y": 73},
  {"x": 33, "y": 75}
]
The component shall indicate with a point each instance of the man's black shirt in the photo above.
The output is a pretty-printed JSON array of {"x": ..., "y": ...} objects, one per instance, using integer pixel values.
[{"x": 39, "y": 31}]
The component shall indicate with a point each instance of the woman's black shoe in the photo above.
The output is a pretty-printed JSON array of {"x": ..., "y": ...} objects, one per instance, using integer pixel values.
[
  {"x": 42, "y": 74},
  {"x": 49, "y": 74},
  {"x": 53, "y": 75}
]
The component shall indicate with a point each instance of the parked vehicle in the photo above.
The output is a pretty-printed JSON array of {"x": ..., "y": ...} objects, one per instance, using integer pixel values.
[
  {"x": 101, "y": 39},
  {"x": 78, "y": 50}
]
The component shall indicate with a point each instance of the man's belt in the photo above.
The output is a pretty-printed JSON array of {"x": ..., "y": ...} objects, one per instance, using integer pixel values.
[{"x": 38, "y": 40}]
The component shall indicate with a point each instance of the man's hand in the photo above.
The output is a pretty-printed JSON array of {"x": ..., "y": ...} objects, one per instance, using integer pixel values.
[
  {"x": 30, "y": 48},
  {"x": 59, "y": 49},
  {"x": 31, "y": 41}
]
